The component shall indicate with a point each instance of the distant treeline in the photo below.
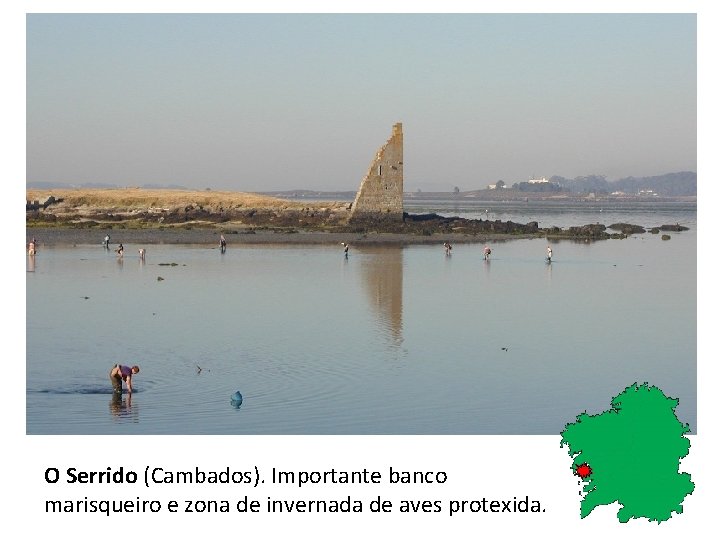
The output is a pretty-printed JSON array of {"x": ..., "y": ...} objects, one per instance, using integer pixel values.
[{"x": 678, "y": 184}]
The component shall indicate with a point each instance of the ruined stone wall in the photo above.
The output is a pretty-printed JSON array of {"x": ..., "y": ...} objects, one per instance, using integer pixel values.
[{"x": 380, "y": 196}]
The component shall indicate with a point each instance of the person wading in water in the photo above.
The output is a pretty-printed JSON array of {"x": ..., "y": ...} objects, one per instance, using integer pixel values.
[{"x": 120, "y": 373}]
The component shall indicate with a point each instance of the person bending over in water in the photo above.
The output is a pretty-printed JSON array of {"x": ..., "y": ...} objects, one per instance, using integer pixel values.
[{"x": 120, "y": 373}]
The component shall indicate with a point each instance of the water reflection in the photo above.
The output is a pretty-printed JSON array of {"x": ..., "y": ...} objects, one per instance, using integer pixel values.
[
  {"x": 121, "y": 408},
  {"x": 382, "y": 276},
  {"x": 31, "y": 263}
]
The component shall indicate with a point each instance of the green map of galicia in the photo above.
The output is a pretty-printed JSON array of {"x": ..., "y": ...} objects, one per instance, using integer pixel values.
[{"x": 631, "y": 454}]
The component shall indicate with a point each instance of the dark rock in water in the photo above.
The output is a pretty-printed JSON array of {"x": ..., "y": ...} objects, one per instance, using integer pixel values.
[
  {"x": 665, "y": 237},
  {"x": 431, "y": 224},
  {"x": 677, "y": 227},
  {"x": 425, "y": 217},
  {"x": 655, "y": 230},
  {"x": 627, "y": 228},
  {"x": 160, "y": 278},
  {"x": 595, "y": 231}
]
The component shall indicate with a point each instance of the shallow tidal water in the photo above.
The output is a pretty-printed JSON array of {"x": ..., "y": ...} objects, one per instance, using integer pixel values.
[{"x": 389, "y": 340}]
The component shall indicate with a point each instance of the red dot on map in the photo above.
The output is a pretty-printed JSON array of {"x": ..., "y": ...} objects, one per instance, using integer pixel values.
[{"x": 583, "y": 470}]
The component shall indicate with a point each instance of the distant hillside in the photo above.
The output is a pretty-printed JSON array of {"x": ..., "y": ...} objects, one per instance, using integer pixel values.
[
  {"x": 680, "y": 184},
  {"x": 668, "y": 185}
]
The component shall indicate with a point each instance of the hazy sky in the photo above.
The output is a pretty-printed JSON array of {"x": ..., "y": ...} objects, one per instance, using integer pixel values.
[{"x": 269, "y": 102}]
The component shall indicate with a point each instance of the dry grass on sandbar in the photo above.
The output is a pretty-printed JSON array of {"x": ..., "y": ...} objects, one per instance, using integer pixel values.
[{"x": 138, "y": 198}]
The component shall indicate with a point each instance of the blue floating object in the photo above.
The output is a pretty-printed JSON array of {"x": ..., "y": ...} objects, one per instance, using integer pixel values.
[{"x": 236, "y": 399}]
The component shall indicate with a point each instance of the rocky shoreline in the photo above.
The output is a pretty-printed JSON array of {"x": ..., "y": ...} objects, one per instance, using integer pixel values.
[
  {"x": 146, "y": 217},
  {"x": 431, "y": 234}
]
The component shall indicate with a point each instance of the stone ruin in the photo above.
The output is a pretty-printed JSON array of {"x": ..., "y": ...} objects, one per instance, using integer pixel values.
[{"x": 380, "y": 196}]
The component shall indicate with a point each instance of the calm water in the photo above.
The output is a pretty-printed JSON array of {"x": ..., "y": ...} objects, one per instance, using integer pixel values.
[{"x": 390, "y": 340}]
